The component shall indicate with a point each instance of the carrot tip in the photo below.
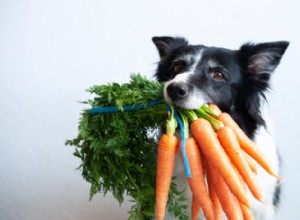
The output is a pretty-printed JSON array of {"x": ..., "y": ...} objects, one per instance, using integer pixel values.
[
  {"x": 270, "y": 205},
  {"x": 278, "y": 177},
  {"x": 281, "y": 180},
  {"x": 260, "y": 200}
]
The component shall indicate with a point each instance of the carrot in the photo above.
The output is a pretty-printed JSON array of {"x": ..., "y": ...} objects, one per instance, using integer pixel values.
[
  {"x": 231, "y": 145},
  {"x": 195, "y": 208},
  {"x": 247, "y": 145},
  {"x": 215, "y": 200},
  {"x": 212, "y": 192},
  {"x": 247, "y": 214},
  {"x": 165, "y": 164},
  {"x": 217, "y": 205},
  {"x": 197, "y": 179},
  {"x": 228, "y": 201},
  {"x": 251, "y": 162},
  {"x": 210, "y": 145}
]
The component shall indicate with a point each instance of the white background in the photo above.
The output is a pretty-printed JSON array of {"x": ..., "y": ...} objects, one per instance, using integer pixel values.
[{"x": 51, "y": 51}]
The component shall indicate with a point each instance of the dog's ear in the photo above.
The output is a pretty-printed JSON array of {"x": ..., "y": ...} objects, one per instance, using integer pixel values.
[
  {"x": 258, "y": 62},
  {"x": 262, "y": 58},
  {"x": 166, "y": 45}
]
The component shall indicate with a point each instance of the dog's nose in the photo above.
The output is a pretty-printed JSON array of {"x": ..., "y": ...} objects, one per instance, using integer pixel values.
[{"x": 177, "y": 91}]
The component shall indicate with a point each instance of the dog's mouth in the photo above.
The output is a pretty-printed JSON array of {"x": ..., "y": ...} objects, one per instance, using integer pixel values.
[{"x": 184, "y": 96}]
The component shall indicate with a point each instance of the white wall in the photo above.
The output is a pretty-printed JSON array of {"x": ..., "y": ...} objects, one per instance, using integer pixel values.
[{"x": 51, "y": 51}]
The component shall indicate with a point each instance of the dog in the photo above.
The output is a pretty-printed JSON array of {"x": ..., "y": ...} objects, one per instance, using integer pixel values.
[{"x": 237, "y": 82}]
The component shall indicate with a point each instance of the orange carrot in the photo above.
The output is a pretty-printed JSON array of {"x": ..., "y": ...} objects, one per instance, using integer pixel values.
[
  {"x": 212, "y": 192},
  {"x": 246, "y": 144},
  {"x": 165, "y": 164},
  {"x": 195, "y": 208},
  {"x": 215, "y": 200},
  {"x": 197, "y": 179},
  {"x": 247, "y": 214},
  {"x": 251, "y": 162},
  {"x": 231, "y": 145},
  {"x": 210, "y": 145},
  {"x": 215, "y": 109},
  {"x": 228, "y": 201}
]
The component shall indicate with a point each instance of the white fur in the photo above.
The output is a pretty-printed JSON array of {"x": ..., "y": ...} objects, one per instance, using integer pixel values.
[{"x": 265, "y": 140}]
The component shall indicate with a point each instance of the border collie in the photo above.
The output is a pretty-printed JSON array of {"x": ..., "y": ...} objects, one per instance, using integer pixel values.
[{"x": 236, "y": 81}]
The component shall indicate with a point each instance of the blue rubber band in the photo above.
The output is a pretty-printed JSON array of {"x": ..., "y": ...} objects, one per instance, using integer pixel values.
[
  {"x": 182, "y": 147},
  {"x": 125, "y": 108}
]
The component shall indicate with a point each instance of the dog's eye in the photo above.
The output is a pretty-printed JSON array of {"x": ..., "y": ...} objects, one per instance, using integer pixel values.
[
  {"x": 217, "y": 75},
  {"x": 178, "y": 68}
]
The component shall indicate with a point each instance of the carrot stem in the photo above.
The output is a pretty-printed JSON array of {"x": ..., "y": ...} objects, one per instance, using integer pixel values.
[
  {"x": 216, "y": 124},
  {"x": 185, "y": 124},
  {"x": 210, "y": 111},
  {"x": 171, "y": 122},
  {"x": 191, "y": 115}
]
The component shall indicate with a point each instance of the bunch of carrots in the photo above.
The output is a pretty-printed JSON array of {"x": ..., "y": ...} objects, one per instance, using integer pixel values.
[{"x": 222, "y": 161}]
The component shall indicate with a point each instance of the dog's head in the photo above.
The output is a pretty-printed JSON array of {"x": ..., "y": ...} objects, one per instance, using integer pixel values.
[{"x": 198, "y": 74}]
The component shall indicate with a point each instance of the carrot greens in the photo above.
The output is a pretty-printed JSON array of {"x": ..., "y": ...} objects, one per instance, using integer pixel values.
[{"x": 118, "y": 149}]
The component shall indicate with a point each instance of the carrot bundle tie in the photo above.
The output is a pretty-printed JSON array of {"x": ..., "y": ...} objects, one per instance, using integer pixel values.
[
  {"x": 125, "y": 108},
  {"x": 183, "y": 145}
]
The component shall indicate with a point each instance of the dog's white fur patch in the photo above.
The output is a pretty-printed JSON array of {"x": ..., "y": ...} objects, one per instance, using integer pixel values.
[{"x": 196, "y": 98}]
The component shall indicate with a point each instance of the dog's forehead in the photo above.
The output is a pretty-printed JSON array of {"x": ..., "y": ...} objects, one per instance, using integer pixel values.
[
  {"x": 189, "y": 54},
  {"x": 213, "y": 56}
]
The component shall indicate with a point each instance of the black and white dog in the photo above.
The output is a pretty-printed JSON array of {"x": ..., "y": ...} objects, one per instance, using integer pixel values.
[{"x": 236, "y": 81}]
